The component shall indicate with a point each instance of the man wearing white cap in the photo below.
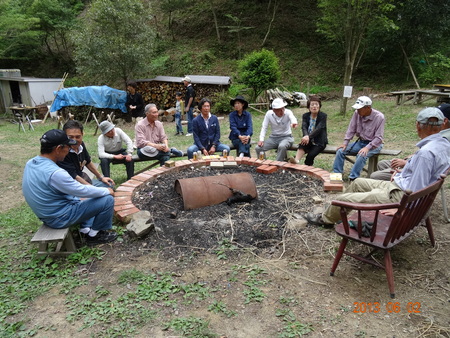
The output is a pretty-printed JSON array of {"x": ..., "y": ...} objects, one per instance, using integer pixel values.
[
  {"x": 280, "y": 120},
  {"x": 422, "y": 169},
  {"x": 111, "y": 147},
  {"x": 368, "y": 126}
]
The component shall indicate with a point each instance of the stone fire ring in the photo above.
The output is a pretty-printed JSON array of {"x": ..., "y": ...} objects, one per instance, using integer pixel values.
[{"x": 124, "y": 207}]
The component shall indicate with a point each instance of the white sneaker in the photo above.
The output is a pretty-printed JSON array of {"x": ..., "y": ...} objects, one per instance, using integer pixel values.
[{"x": 188, "y": 134}]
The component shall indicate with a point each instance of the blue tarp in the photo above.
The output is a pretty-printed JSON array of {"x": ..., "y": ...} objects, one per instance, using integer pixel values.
[{"x": 96, "y": 96}]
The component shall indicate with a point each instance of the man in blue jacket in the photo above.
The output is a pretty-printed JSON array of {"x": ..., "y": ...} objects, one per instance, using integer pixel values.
[
  {"x": 54, "y": 196},
  {"x": 206, "y": 130}
]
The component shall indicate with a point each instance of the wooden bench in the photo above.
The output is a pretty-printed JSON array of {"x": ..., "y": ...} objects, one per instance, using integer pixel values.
[
  {"x": 401, "y": 96},
  {"x": 61, "y": 238},
  {"x": 154, "y": 161},
  {"x": 373, "y": 161},
  {"x": 421, "y": 96}
]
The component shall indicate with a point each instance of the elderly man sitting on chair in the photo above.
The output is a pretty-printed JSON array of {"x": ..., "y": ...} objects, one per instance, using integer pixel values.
[{"x": 422, "y": 169}]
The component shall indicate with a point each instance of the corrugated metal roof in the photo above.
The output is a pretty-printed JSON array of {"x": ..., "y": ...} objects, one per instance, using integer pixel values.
[
  {"x": 30, "y": 79},
  {"x": 196, "y": 79}
]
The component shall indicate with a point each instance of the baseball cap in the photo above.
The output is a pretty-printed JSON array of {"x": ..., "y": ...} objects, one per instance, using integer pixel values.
[
  {"x": 427, "y": 113},
  {"x": 55, "y": 137},
  {"x": 187, "y": 79},
  {"x": 106, "y": 127},
  {"x": 278, "y": 103},
  {"x": 362, "y": 101},
  {"x": 445, "y": 109}
]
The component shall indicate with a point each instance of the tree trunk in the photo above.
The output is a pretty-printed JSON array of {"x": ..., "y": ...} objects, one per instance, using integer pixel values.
[
  {"x": 216, "y": 23},
  {"x": 410, "y": 67},
  {"x": 275, "y": 7}
]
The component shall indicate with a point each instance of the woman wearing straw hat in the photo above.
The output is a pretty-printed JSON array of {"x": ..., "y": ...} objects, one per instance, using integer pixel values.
[{"x": 241, "y": 126}]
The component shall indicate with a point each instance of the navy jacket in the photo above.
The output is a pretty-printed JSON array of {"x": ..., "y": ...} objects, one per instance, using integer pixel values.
[
  {"x": 240, "y": 125},
  {"x": 206, "y": 137}
]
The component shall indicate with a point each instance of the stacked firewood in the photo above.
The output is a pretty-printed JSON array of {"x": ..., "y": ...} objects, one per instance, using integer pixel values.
[
  {"x": 163, "y": 93},
  {"x": 292, "y": 98}
]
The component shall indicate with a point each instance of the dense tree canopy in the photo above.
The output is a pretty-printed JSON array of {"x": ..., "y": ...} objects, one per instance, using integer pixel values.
[
  {"x": 114, "y": 41},
  {"x": 110, "y": 41}
]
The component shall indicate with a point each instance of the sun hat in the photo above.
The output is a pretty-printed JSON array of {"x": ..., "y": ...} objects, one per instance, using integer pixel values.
[
  {"x": 149, "y": 151},
  {"x": 106, "y": 127},
  {"x": 362, "y": 101},
  {"x": 55, "y": 137},
  {"x": 278, "y": 103},
  {"x": 239, "y": 98},
  {"x": 430, "y": 112},
  {"x": 187, "y": 79}
]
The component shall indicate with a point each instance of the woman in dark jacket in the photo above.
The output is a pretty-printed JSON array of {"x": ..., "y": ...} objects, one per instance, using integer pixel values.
[
  {"x": 314, "y": 129},
  {"x": 241, "y": 126}
]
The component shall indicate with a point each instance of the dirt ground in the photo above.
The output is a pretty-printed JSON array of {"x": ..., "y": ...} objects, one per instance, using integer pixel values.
[{"x": 296, "y": 260}]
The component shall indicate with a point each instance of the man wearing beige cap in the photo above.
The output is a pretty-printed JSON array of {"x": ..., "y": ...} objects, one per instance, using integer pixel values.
[
  {"x": 368, "y": 126},
  {"x": 422, "y": 169},
  {"x": 111, "y": 147}
]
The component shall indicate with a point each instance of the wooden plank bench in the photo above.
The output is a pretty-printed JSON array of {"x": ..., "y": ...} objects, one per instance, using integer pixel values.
[
  {"x": 421, "y": 96},
  {"x": 373, "y": 161},
  {"x": 62, "y": 238},
  {"x": 401, "y": 96},
  {"x": 154, "y": 163}
]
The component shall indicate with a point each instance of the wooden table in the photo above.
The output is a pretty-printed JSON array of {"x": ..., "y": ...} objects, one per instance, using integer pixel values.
[{"x": 22, "y": 115}]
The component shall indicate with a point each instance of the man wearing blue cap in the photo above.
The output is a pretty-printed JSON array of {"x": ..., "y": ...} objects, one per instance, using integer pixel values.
[
  {"x": 422, "y": 169},
  {"x": 54, "y": 196}
]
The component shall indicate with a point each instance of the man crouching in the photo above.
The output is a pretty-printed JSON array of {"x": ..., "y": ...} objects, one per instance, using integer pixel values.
[{"x": 54, "y": 196}]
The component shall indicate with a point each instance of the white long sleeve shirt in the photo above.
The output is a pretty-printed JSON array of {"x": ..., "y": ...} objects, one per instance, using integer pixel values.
[
  {"x": 280, "y": 126},
  {"x": 108, "y": 145}
]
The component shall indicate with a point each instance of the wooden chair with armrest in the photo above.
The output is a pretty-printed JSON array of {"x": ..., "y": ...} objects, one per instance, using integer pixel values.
[{"x": 386, "y": 231}]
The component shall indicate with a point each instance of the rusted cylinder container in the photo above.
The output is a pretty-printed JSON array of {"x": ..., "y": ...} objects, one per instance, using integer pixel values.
[{"x": 198, "y": 192}]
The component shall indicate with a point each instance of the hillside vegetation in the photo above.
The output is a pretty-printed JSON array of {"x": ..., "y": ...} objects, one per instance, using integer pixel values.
[{"x": 108, "y": 42}]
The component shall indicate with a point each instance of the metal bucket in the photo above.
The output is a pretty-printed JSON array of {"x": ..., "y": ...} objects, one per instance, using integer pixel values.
[{"x": 198, "y": 192}]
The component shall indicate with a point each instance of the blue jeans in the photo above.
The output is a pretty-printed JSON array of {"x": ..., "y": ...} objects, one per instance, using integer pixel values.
[
  {"x": 360, "y": 162},
  {"x": 240, "y": 147},
  {"x": 190, "y": 118},
  {"x": 178, "y": 123},
  {"x": 95, "y": 213},
  {"x": 220, "y": 148},
  {"x": 162, "y": 156}
]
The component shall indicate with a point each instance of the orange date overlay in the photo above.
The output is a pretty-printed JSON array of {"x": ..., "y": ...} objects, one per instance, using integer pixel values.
[{"x": 390, "y": 307}]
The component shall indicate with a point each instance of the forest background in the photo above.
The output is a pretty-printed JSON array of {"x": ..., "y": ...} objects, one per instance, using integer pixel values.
[{"x": 321, "y": 44}]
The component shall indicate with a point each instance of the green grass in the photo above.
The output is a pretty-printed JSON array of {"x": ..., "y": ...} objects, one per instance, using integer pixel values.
[{"x": 125, "y": 306}]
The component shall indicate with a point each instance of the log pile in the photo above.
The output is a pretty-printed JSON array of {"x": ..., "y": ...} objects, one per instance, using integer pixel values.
[
  {"x": 292, "y": 98},
  {"x": 163, "y": 93}
]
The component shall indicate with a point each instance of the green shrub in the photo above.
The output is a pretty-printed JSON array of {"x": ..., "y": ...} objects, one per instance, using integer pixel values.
[
  {"x": 259, "y": 70},
  {"x": 437, "y": 70}
]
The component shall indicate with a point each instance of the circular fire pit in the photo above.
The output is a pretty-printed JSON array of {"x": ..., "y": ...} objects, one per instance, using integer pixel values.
[
  {"x": 124, "y": 207},
  {"x": 285, "y": 192}
]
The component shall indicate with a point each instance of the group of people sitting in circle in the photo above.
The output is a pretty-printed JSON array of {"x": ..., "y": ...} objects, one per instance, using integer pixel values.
[{"x": 61, "y": 194}]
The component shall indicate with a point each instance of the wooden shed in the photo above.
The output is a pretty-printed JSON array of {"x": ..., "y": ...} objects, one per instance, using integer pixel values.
[{"x": 30, "y": 91}]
